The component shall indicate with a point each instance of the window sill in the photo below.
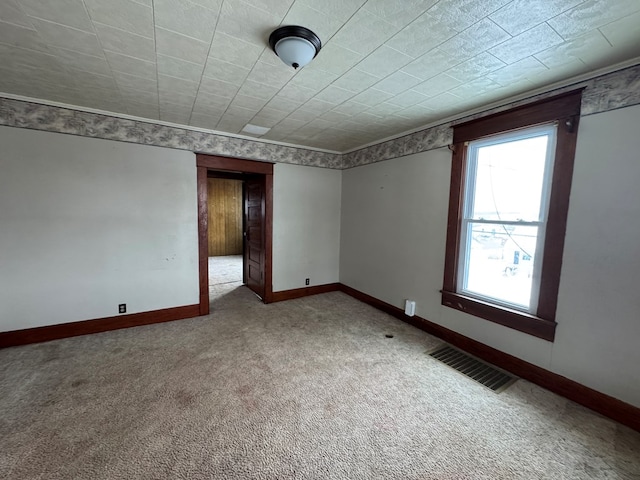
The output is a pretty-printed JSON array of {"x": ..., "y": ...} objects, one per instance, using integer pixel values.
[{"x": 521, "y": 321}]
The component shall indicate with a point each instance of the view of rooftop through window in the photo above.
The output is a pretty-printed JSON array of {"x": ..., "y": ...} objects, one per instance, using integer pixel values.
[{"x": 504, "y": 215}]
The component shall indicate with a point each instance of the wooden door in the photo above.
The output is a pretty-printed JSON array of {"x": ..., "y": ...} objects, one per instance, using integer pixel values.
[{"x": 254, "y": 245}]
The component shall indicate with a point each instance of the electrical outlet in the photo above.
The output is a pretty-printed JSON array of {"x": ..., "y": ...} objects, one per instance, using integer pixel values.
[
  {"x": 122, "y": 308},
  {"x": 306, "y": 281}
]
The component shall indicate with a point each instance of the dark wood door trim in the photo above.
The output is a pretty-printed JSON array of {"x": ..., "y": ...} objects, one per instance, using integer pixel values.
[
  {"x": 203, "y": 239},
  {"x": 213, "y": 163},
  {"x": 238, "y": 165}
]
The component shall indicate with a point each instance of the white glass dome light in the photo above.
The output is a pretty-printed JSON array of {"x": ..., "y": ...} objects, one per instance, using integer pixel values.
[{"x": 296, "y": 46}]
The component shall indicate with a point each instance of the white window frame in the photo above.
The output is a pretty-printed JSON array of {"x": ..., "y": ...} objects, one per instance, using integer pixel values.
[{"x": 467, "y": 220}]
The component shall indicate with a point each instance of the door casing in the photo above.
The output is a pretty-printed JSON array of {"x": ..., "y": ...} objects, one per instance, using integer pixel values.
[{"x": 204, "y": 164}]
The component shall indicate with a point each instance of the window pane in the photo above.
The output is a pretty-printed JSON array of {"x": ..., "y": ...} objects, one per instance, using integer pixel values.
[
  {"x": 509, "y": 179},
  {"x": 499, "y": 262}
]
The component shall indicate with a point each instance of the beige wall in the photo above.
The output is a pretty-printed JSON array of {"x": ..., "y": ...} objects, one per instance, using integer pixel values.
[
  {"x": 87, "y": 224},
  {"x": 306, "y": 226},
  {"x": 394, "y": 217}
]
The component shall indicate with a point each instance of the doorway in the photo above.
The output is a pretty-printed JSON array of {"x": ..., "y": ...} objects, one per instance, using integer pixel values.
[
  {"x": 225, "y": 233},
  {"x": 257, "y": 211}
]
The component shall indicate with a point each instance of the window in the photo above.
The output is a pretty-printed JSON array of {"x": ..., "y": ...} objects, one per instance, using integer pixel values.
[{"x": 510, "y": 184}]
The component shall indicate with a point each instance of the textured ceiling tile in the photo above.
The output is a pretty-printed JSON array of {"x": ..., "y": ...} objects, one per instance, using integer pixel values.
[
  {"x": 475, "y": 67},
  {"x": 126, "y": 43},
  {"x": 10, "y": 12},
  {"x": 177, "y": 101},
  {"x": 131, "y": 65},
  {"x": 176, "y": 67},
  {"x": 318, "y": 20},
  {"x": 207, "y": 103},
  {"x": 351, "y": 108},
  {"x": 203, "y": 120},
  {"x": 277, "y": 7},
  {"x": 364, "y": 32},
  {"x": 461, "y": 14},
  {"x": 422, "y": 35},
  {"x": 397, "y": 83},
  {"x": 246, "y": 101},
  {"x": 437, "y": 85},
  {"x": 283, "y": 104},
  {"x": 336, "y": 59},
  {"x": 176, "y": 85},
  {"x": 475, "y": 40},
  {"x": 623, "y": 32},
  {"x": 66, "y": 37},
  {"x": 248, "y": 23},
  {"x": 399, "y": 13},
  {"x": 179, "y": 46},
  {"x": 240, "y": 112},
  {"x": 122, "y": 14},
  {"x": 271, "y": 115},
  {"x": 384, "y": 109},
  {"x": 88, "y": 79},
  {"x": 521, "y": 15},
  {"x": 586, "y": 47},
  {"x": 231, "y": 124},
  {"x": 290, "y": 124},
  {"x": 234, "y": 50},
  {"x": 445, "y": 102},
  {"x": 408, "y": 98},
  {"x": 65, "y": 12},
  {"x": 273, "y": 75},
  {"x": 258, "y": 90},
  {"x": 384, "y": 61},
  {"x": 468, "y": 90},
  {"x": 227, "y": 72},
  {"x": 517, "y": 71},
  {"x": 303, "y": 115},
  {"x": 187, "y": 18},
  {"x": 14, "y": 56},
  {"x": 126, "y": 81},
  {"x": 334, "y": 116},
  {"x": 356, "y": 81},
  {"x": 313, "y": 78},
  {"x": 430, "y": 64},
  {"x": 139, "y": 96},
  {"x": 526, "y": 44},
  {"x": 80, "y": 61},
  {"x": 21, "y": 37},
  {"x": 335, "y": 95},
  {"x": 341, "y": 9},
  {"x": 592, "y": 14},
  {"x": 218, "y": 87},
  {"x": 372, "y": 97},
  {"x": 297, "y": 93},
  {"x": 318, "y": 106}
]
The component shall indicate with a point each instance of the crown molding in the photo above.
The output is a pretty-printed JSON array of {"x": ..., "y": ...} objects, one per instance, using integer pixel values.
[
  {"x": 125, "y": 116},
  {"x": 569, "y": 82}
]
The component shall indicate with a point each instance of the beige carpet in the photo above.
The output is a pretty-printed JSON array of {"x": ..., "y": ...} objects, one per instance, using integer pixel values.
[{"x": 305, "y": 389}]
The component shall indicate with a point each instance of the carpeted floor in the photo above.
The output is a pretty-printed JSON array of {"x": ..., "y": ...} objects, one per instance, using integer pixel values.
[{"x": 306, "y": 389}]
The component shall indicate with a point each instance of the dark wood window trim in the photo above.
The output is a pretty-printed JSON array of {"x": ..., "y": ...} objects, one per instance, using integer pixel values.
[{"x": 564, "y": 109}]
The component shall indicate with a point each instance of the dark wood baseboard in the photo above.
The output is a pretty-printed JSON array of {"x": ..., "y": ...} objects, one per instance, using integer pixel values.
[
  {"x": 304, "y": 292},
  {"x": 74, "y": 329},
  {"x": 613, "y": 408}
]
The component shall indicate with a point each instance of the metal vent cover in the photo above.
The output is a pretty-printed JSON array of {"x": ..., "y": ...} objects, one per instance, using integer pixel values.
[{"x": 481, "y": 372}]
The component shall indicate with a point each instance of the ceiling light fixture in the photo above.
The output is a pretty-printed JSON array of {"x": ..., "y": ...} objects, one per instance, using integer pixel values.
[{"x": 296, "y": 46}]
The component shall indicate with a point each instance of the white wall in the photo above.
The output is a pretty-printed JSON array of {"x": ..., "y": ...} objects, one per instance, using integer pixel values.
[
  {"x": 394, "y": 217},
  {"x": 86, "y": 224},
  {"x": 306, "y": 226}
]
